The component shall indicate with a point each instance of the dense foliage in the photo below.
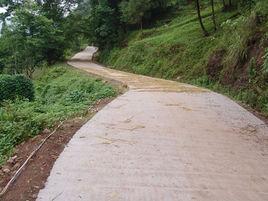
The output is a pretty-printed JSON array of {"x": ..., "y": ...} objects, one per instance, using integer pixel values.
[
  {"x": 103, "y": 28},
  {"x": 30, "y": 41},
  {"x": 15, "y": 87},
  {"x": 136, "y": 11},
  {"x": 61, "y": 93},
  {"x": 109, "y": 20}
]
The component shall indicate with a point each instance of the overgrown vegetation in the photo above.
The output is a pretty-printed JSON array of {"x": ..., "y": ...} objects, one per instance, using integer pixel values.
[
  {"x": 15, "y": 87},
  {"x": 61, "y": 93},
  {"x": 231, "y": 59}
]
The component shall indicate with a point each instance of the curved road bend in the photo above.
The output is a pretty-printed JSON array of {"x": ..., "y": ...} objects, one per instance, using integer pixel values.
[{"x": 162, "y": 141}]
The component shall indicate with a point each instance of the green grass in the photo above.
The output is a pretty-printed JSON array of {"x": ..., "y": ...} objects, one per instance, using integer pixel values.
[
  {"x": 61, "y": 93},
  {"x": 174, "y": 49},
  {"x": 177, "y": 50}
]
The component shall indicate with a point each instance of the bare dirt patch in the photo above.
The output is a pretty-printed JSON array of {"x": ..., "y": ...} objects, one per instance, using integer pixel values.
[{"x": 35, "y": 174}]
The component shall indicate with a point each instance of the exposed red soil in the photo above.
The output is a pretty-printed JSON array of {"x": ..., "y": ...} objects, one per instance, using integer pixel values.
[{"x": 35, "y": 174}]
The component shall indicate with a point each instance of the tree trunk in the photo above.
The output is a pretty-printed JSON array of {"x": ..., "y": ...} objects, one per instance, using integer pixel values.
[
  {"x": 213, "y": 15},
  {"x": 200, "y": 18},
  {"x": 223, "y": 4},
  {"x": 230, "y": 3}
]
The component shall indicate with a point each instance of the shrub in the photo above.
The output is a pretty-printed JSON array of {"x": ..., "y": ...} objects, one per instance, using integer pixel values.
[{"x": 15, "y": 86}]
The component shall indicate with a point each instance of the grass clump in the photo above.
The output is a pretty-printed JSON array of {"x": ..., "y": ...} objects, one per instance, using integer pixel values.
[{"x": 61, "y": 93}]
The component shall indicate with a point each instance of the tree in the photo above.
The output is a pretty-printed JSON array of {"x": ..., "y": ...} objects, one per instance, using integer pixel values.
[
  {"x": 200, "y": 18},
  {"x": 230, "y": 3},
  {"x": 103, "y": 28},
  {"x": 30, "y": 41},
  {"x": 137, "y": 11},
  {"x": 213, "y": 15},
  {"x": 223, "y": 4},
  {"x": 57, "y": 9},
  {"x": 133, "y": 11},
  {"x": 52, "y": 9},
  {"x": 106, "y": 20}
]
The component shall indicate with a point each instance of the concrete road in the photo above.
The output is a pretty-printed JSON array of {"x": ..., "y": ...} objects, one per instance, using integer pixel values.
[{"x": 164, "y": 141}]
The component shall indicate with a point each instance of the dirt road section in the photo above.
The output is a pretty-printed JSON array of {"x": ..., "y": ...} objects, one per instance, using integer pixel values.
[{"x": 162, "y": 140}]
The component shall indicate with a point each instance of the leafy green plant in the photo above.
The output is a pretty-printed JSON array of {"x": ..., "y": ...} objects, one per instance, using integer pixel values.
[
  {"x": 75, "y": 96},
  {"x": 61, "y": 93},
  {"x": 15, "y": 86}
]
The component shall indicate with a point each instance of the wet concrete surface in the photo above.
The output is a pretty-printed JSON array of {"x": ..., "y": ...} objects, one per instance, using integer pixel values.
[{"x": 162, "y": 140}]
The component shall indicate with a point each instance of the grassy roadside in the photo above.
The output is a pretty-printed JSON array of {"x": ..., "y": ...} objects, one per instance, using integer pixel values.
[
  {"x": 60, "y": 93},
  {"x": 230, "y": 60},
  {"x": 173, "y": 49}
]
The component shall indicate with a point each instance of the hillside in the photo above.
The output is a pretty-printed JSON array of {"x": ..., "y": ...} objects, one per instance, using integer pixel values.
[{"x": 230, "y": 60}]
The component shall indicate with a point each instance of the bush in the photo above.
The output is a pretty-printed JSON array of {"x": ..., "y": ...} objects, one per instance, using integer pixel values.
[{"x": 15, "y": 86}]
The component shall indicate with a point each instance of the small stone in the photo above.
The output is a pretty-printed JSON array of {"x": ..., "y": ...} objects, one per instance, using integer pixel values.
[{"x": 6, "y": 170}]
